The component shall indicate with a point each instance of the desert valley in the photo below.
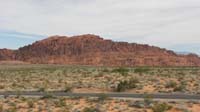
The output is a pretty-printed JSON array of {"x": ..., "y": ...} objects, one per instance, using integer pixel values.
[{"x": 38, "y": 74}]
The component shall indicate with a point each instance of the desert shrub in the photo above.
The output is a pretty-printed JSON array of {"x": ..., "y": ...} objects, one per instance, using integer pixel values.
[
  {"x": 24, "y": 99},
  {"x": 127, "y": 84},
  {"x": 133, "y": 82},
  {"x": 90, "y": 109},
  {"x": 179, "y": 88},
  {"x": 137, "y": 104},
  {"x": 1, "y": 108},
  {"x": 13, "y": 109},
  {"x": 102, "y": 97},
  {"x": 183, "y": 82},
  {"x": 68, "y": 89},
  {"x": 122, "y": 71},
  {"x": 2, "y": 87},
  {"x": 122, "y": 86},
  {"x": 148, "y": 99},
  {"x": 141, "y": 70},
  {"x": 42, "y": 89},
  {"x": 171, "y": 84},
  {"x": 105, "y": 70},
  {"x": 60, "y": 103},
  {"x": 47, "y": 96},
  {"x": 161, "y": 107},
  {"x": 30, "y": 104}
]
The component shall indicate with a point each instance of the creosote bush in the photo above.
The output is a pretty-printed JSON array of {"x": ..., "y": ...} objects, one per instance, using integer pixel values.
[
  {"x": 102, "y": 97},
  {"x": 122, "y": 71},
  {"x": 171, "y": 84},
  {"x": 60, "y": 103},
  {"x": 42, "y": 89},
  {"x": 141, "y": 70},
  {"x": 179, "y": 88},
  {"x": 47, "y": 96},
  {"x": 161, "y": 107},
  {"x": 90, "y": 109},
  {"x": 1, "y": 108},
  {"x": 127, "y": 84},
  {"x": 30, "y": 104},
  {"x": 68, "y": 89},
  {"x": 148, "y": 99}
]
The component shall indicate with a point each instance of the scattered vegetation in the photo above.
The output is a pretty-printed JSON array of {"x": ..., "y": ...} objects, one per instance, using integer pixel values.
[
  {"x": 1, "y": 108},
  {"x": 47, "y": 96},
  {"x": 161, "y": 107},
  {"x": 30, "y": 104},
  {"x": 90, "y": 109},
  {"x": 148, "y": 99},
  {"x": 102, "y": 97},
  {"x": 141, "y": 70},
  {"x": 122, "y": 71},
  {"x": 44, "y": 78},
  {"x": 171, "y": 84},
  {"x": 179, "y": 88},
  {"x": 127, "y": 84},
  {"x": 60, "y": 103},
  {"x": 68, "y": 89}
]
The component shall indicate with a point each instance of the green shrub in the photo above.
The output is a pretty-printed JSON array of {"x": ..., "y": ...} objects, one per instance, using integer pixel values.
[
  {"x": 127, "y": 84},
  {"x": 179, "y": 88},
  {"x": 105, "y": 70},
  {"x": 47, "y": 96},
  {"x": 141, "y": 70},
  {"x": 122, "y": 71},
  {"x": 148, "y": 99},
  {"x": 102, "y": 97},
  {"x": 133, "y": 82},
  {"x": 30, "y": 104},
  {"x": 68, "y": 89},
  {"x": 161, "y": 107},
  {"x": 60, "y": 103},
  {"x": 42, "y": 89},
  {"x": 122, "y": 86},
  {"x": 90, "y": 109},
  {"x": 1, "y": 108},
  {"x": 171, "y": 84}
]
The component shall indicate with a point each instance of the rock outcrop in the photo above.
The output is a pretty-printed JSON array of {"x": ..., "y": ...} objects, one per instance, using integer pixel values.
[
  {"x": 94, "y": 50},
  {"x": 7, "y": 54}
]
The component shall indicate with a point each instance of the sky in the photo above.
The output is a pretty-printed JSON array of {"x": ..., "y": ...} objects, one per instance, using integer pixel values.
[{"x": 171, "y": 24}]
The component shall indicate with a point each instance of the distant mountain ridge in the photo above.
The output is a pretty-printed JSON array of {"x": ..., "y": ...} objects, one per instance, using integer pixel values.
[{"x": 93, "y": 50}]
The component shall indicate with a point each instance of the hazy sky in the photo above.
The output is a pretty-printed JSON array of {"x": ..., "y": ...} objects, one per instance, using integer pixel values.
[{"x": 172, "y": 24}]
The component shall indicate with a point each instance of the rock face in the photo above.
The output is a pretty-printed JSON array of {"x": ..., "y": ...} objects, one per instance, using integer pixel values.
[
  {"x": 94, "y": 50},
  {"x": 6, "y": 54}
]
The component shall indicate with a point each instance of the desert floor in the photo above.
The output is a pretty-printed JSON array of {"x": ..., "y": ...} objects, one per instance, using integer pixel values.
[{"x": 100, "y": 80}]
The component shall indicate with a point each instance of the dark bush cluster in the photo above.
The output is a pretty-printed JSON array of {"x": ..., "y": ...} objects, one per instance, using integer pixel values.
[
  {"x": 141, "y": 70},
  {"x": 161, "y": 107},
  {"x": 127, "y": 84},
  {"x": 90, "y": 109},
  {"x": 122, "y": 71}
]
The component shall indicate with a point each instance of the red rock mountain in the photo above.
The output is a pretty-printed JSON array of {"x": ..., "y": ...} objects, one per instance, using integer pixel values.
[{"x": 94, "y": 50}]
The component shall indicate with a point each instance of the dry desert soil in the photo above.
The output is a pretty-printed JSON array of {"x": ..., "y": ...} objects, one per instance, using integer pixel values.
[{"x": 87, "y": 79}]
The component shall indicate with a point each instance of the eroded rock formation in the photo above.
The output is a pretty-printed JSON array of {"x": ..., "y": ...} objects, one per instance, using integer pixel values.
[{"x": 94, "y": 50}]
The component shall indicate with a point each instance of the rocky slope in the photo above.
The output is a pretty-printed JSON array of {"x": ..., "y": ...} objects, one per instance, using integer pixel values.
[
  {"x": 94, "y": 50},
  {"x": 6, "y": 54}
]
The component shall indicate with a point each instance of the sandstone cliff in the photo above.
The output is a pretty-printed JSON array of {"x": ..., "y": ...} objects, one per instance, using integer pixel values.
[{"x": 94, "y": 50}]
